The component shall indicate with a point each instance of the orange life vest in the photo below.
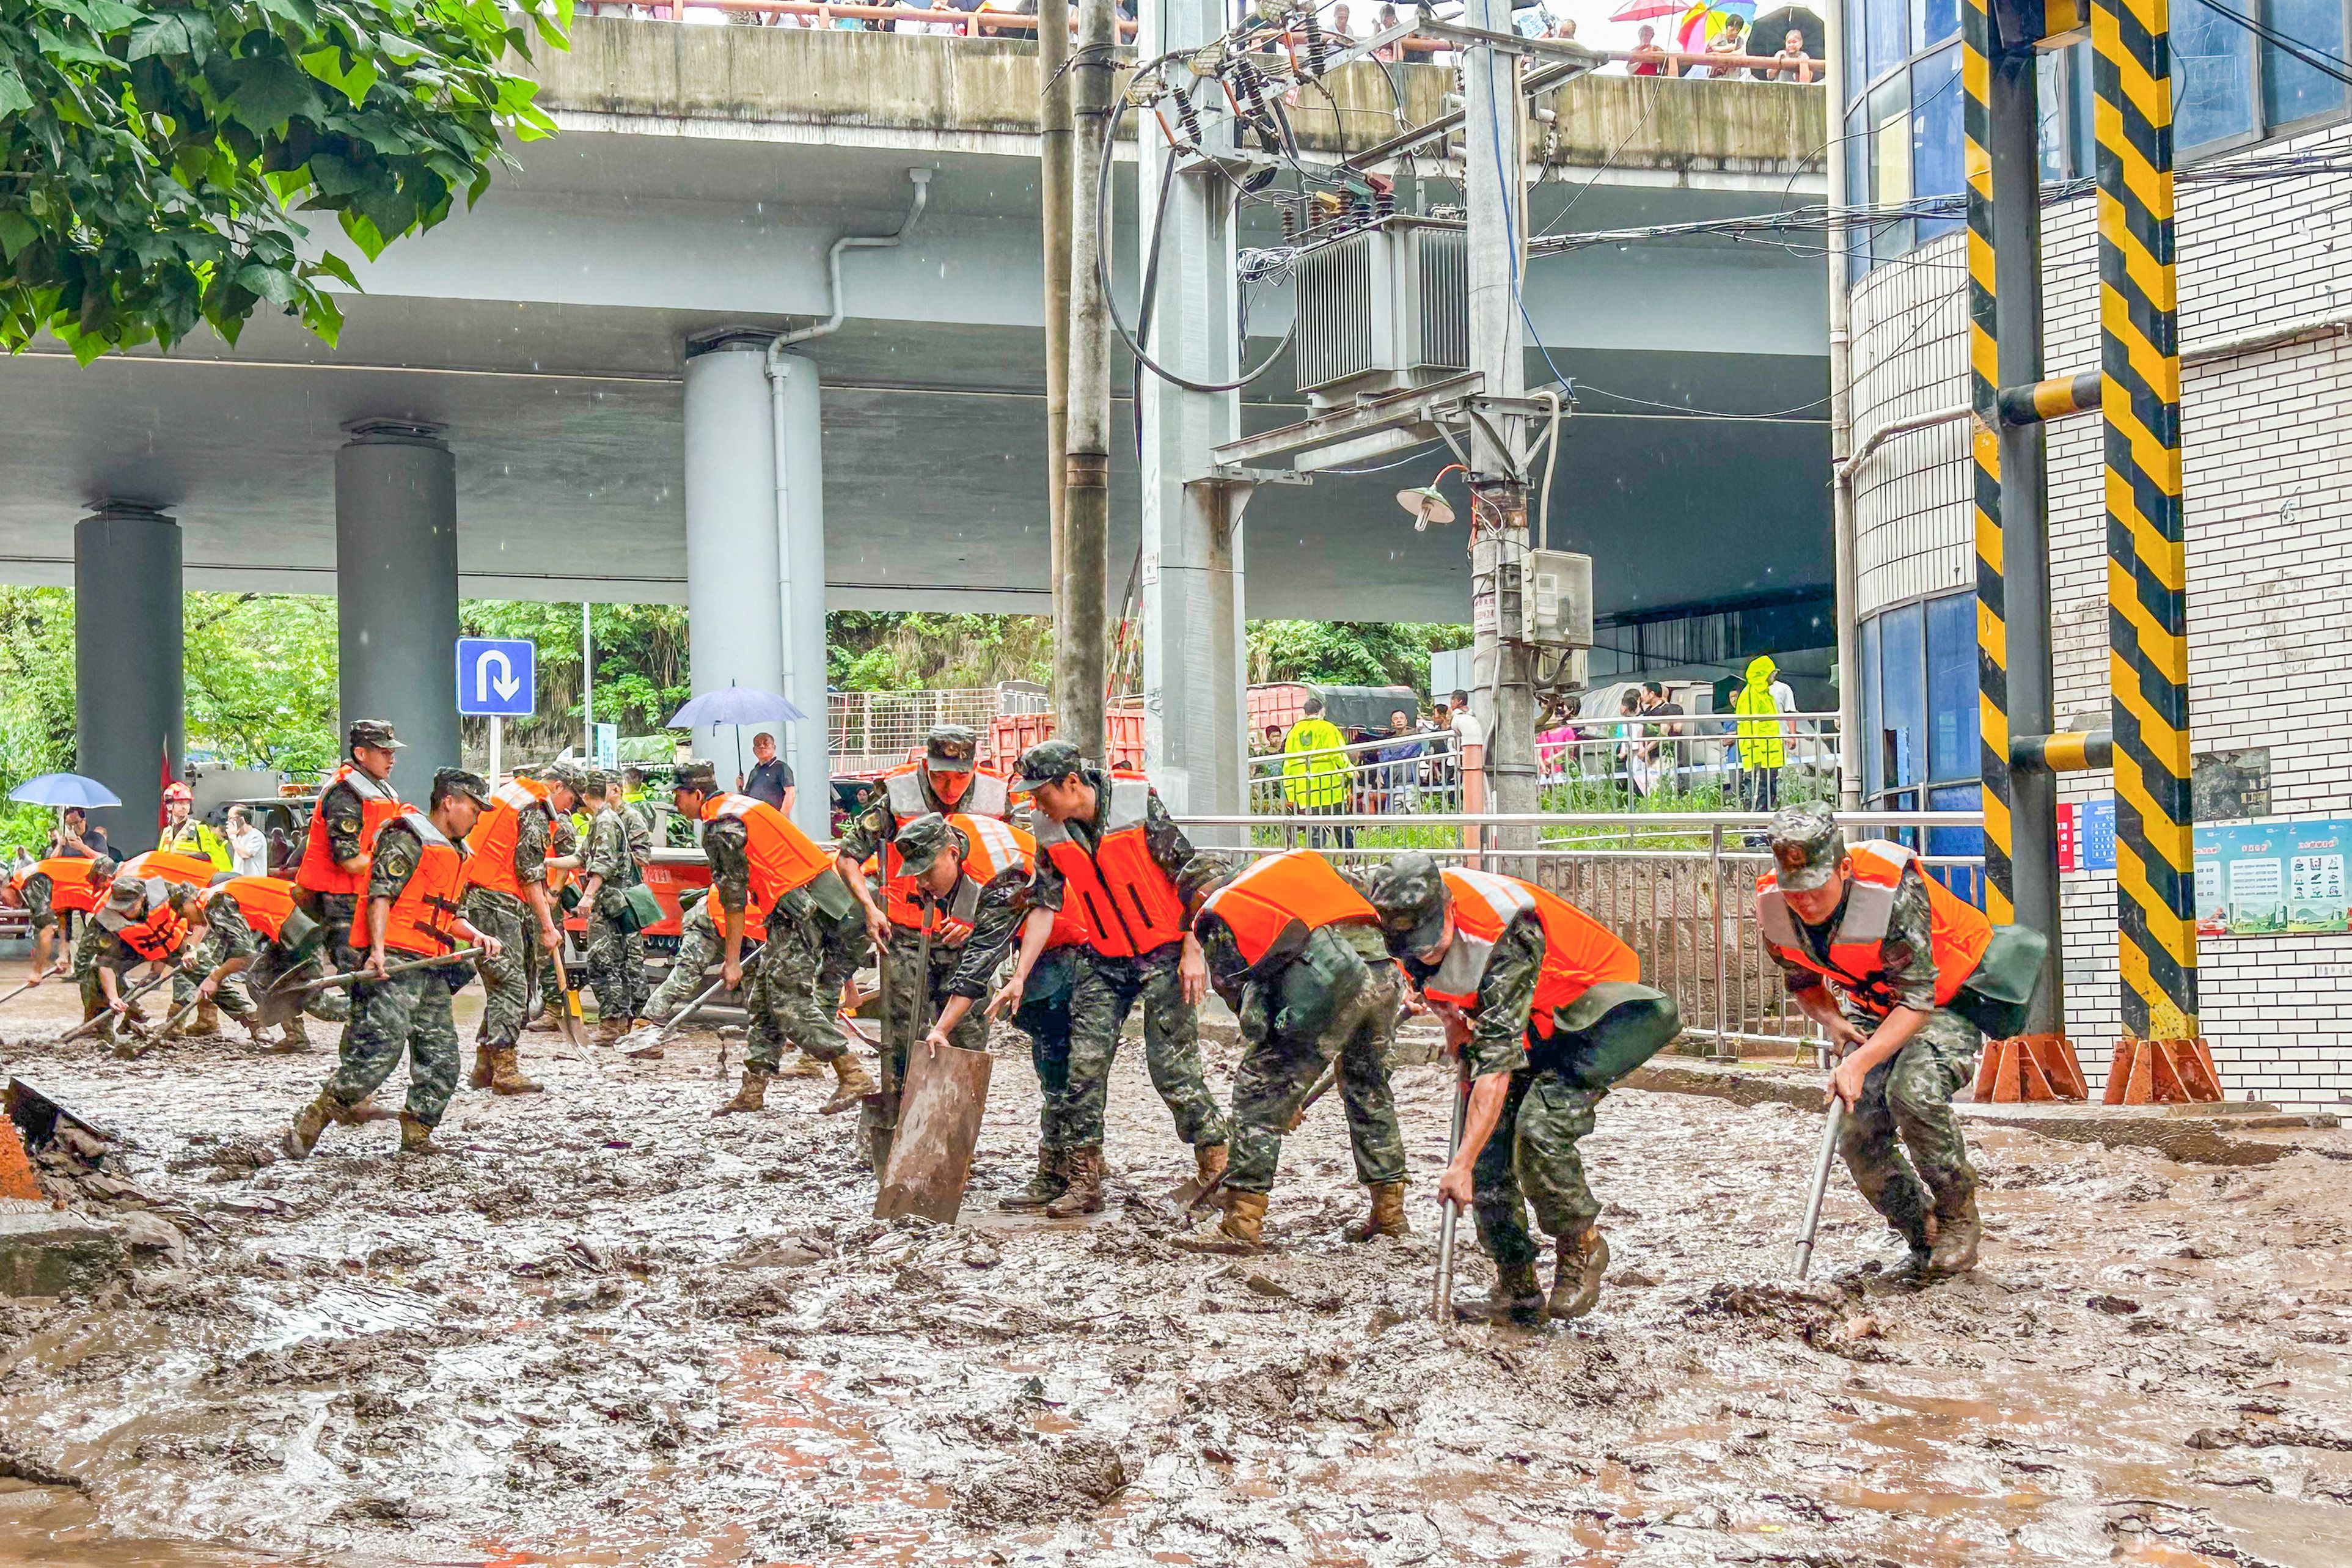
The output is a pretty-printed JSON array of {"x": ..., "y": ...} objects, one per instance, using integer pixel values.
[
  {"x": 1275, "y": 905},
  {"x": 378, "y": 805},
  {"x": 990, "y": 848},
  {"x": 489, "y": 848},
  {"x": 1130, "y": 906},
  {"x": 1958, "y": 932},
  {"x": 162, "y": 933},
  {"x": 70, "y": 887},
  {"x": 170, "y": 865},
  {"x": 986, "y": 796},
  {"x": 1579, "y": 952},
  {"x": 783, "y": 857},
  {"x": 422, "y": 920},
  {"x": 264, "y": 901}
]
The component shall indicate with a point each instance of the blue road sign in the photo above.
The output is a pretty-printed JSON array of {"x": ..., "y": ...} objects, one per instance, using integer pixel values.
[{"x": 497, "y": 676}]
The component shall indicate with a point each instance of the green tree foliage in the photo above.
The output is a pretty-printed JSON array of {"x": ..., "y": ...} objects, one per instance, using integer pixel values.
[
  {"x": 260, "y": 674},
  {"x": 641, "y": 667},
  {"x": 152, "y": 155},
  {"x": 1349, "y": 653},
  {"x": 914, "y": 651},
  {"x": 36, "y": 704}
]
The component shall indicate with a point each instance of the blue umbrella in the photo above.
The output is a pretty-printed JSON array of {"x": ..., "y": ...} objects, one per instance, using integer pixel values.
[
  {"x": 735, "y": 705},
  {"x": 64, "y": 789}
]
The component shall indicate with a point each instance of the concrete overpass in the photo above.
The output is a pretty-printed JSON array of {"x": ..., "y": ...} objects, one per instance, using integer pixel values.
[{"x": 523, "y": 380}]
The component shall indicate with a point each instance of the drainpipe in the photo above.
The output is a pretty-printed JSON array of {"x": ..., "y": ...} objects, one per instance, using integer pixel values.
[
  {"x": 1840, "y": 321},
  {"x": 778, "y": 367}
]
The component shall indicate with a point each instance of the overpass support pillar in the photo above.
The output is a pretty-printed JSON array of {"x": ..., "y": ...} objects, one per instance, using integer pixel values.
[
  {"x": 129, "y": 724},
  {"x": 800, "y": 450},
  {"x": 396, "y": 591},
  {"x": 1193, "y": 664}
]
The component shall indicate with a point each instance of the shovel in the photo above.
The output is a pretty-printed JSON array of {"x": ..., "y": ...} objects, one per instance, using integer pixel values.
[
  {"x": 652, "y": 1035},
  {"x": 1441, "y": 1305},
  {"x": 108, "y": 1016},
  {"x": 46, "y": 974},
  {"x": 289, "y": 1000},
  {"x": 1832, "y": 1125}
]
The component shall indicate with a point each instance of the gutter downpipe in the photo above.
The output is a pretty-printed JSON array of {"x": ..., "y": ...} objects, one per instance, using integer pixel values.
[
  {"x": 1841, "y": 325},
  {"x": 778, "y": 365}
]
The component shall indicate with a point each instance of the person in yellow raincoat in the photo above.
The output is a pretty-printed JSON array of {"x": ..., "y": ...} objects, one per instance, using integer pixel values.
[
  {"x": 1315, "y": 773},
  {"x": 1763, "y": 745}
]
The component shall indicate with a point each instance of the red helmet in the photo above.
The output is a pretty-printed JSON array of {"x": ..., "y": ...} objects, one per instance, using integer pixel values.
[{"x": 177, "y": 792}]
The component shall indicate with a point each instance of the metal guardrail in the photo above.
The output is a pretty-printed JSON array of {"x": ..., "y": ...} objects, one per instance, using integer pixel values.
[{"x": 1677, "y": 886}]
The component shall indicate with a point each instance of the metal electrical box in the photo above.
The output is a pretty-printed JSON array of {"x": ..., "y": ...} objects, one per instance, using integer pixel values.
[
  {"x": 1555, "y": 603},
  {"x": 1383, "y": 308}
]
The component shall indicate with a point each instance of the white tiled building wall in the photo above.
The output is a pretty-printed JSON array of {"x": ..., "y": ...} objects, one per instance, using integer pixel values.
[{"x": 2267, "y": 439}]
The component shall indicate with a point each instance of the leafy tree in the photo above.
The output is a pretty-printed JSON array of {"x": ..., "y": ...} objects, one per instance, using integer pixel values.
[
  {"x": 260, "y": 677},
  {"x": 37, "y": 703},
  {"x": 1349, "y": 653},
  {"x": 152, "y": 154},
  {"x": 868, "y": 650}
]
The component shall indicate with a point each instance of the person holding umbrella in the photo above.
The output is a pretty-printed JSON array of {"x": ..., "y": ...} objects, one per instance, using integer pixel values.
[{"x": 75, "y": 836}]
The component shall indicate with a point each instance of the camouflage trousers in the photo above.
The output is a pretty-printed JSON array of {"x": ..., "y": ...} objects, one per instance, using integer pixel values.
[
  {"x": 406, "y": 1012},
  {"x": 905, "y": 1002},
  {"x": 128, "y": 978},
  {"x": 1907, "y": 1107},
  {"x": 1044, "y": 1016},
  {"x": 793, "y": 990},
  {"x": 616, "y": 967},
  {"x": 236, "y": 993},
  {"x": 699, "y": 947},
  {"x": 1107, "y": 989},
  {"x": 1532, "y": 1161},
  {"x": 506, "y": 979},
  {"x": 1277, "y": 1073}
]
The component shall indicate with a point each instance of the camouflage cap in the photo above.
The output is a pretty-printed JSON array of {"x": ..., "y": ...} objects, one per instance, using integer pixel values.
[
  {"x": 1808, "y": 845},
  {"x": 1408, "y": 892},
  {"x": 376, "y": 733},
  {"x": 458, "y": 781},
  {"x": 573, "y": 776},
  {"x": 950, "y": 749},
  {"x": 126, "y": 898},
  {"x": 600, "y": 783},
  {"x": 1045, "y": 763},
  {"x": 922, "y": 842},
  {"x": 698, "y": 775}
]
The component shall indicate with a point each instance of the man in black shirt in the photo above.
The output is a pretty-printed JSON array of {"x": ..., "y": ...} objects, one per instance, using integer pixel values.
[{"x": 770, "y": 778}]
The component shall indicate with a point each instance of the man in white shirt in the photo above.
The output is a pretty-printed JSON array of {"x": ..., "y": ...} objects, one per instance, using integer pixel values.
[{"x": 248, "y": 850}]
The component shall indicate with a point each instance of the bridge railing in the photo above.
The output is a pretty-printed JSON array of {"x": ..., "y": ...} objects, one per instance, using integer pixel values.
[{"x": 1679, "y": 888}]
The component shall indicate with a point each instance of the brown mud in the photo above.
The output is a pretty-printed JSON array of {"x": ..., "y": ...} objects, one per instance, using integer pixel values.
[{"x": 612, "y": 1329}]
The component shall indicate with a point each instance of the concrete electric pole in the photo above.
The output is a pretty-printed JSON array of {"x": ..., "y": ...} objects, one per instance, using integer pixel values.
[
  {"x": 1054, "y": 213},
  {"x": 1081, "y": 655}
]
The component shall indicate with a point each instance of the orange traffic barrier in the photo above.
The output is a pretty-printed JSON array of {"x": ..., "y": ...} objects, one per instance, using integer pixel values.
[
  {"x": 16, "y": 1178},
  {"x": 2163, "y": 1072},
  {"x": 2028, "y": 1068}
]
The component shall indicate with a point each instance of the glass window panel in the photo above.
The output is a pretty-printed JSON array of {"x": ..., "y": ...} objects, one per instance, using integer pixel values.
[
  {"x": 1952, "y": 687},
  {"x": 1967, "y": 881},
  {"x": 1889, "y": 150},
  {"x": 1857, "y": 71},
  {"x": 1874, "y": 777},
  {"x": 1933, "y": 21},
  {"x": 2212, "y": 77},
  {"x": 1886, "y": 34},
  {"x": 1903, "y": 694},
  {"x": 1857, "y": 186},
  {"x": 2293, "y": 91},
  {"x": 2052, "y": 69},
  {"x": 1936, "y": 101}
]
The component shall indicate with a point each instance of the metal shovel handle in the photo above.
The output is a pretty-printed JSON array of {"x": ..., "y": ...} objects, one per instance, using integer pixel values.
[
  {"x": 136, "y": 991},
  {"x": 1832, "y": 1125},
  {"x": 1450, "y": 1215},
  {"x": 353, "y": 976}
]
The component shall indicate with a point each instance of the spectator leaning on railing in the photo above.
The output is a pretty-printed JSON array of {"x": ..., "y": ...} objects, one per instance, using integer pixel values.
[{"x": 1315, "y": 768}]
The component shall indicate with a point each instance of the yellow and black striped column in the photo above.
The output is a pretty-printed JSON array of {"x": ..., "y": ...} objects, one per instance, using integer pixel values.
[
  {"x": 1984, "y": 432},
  {"x": 2139, "y": 359}
]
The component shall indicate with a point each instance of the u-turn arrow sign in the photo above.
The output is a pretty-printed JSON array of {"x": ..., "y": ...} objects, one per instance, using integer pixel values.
[{"x": 497, "y": 676}]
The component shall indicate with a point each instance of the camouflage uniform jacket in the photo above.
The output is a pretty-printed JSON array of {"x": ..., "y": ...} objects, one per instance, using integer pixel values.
[
  {"x": 397, "y": 852},
  {"x": 877, "y": 824},
  {"x": 1001, "y": 905},
  {"x": 533, "y": 832},
  {"x": 1188, "y": 868},
  {"x": 36, "y": 893},
  {"x": 98, "y": 945},
  {"x": 639, "y": 823},
  {"x": 608, "y": 857},
  {"x": 1507, "y": 995},
  {"x": 227, "y": 932},
  {"x": 1907, "y": 954},
  {"x": 339, "y": 809}
]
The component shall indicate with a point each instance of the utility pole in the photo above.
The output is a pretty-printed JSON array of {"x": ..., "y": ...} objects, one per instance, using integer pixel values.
[
  {"x": 1841, "y": 323},
  {"x": 1493, "y": 190},
  {"x": 1080, "y": 655},
  {"x": 1053, "y": 208}
]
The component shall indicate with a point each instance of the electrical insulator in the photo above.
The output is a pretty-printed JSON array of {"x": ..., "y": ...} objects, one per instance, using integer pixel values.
[
  {"x": 1315, "y": 46},
  {"x": 1289, "y": 223},
  {"x": 1189, "y": 115}
]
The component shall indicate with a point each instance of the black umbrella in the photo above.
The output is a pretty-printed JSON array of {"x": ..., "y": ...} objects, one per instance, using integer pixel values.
[{"x": 1765, "y": 33}]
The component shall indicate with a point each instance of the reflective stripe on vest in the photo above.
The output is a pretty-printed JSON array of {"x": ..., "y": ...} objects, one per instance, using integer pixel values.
[
  {"x": 490, "y": 848},
  {"x": 379, "y": 804},
  {"x": 782, "y": 858},
  {"x": 1275, "y": 905},
  {"x": 423, "y": 920},
  {"x": 1958, "y": 932},
  {"x": 70, "y": 887},
  {"x": 1130, "y": 907},
  {"x": 991, "y": 847},
  {"x": 1578, "y": 952},
  {"x": 170, "y": 865},
  {"x": 162, "y": 933},
  {"x": 908, "y": 798},
  {"x": 264, "y": 901}
]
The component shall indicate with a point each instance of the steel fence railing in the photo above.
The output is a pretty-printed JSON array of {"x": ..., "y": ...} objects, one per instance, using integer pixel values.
[
  {"x": 867, "y": 731},
  {"x": 1677, "y": 886}
]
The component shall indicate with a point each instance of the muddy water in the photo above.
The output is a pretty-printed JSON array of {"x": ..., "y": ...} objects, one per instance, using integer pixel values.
[{"x": 613, "y": 1330}]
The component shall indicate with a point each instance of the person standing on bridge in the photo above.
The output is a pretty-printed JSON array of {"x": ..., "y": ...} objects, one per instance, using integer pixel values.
[
  {"x": 1107, "y": 844},
  {"x": 350, "y": 811}
]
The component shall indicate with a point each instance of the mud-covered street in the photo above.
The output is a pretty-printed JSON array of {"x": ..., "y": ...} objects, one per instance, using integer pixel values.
[{"x": 613, "y": 1329}]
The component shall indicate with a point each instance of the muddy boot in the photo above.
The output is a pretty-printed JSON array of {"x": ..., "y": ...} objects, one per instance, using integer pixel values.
[
  {"x": 506, "y": 1076},
  {"x": 1082, "y": 1171},
  {"x": 544, "y": 1024},
  {"x": 852, "y": 1085},
  {"x": 1236, "y": 1230},
  {"x": 1518, "y": 1299},
  {"x": 1576, "y": 1282},
  {"x": 310, "y": 1122},
  {"x": 752, "y": 1096},
  {"x": 1044, "y": 1187},
  {"x": 1387, "y": 1217},
  {"x": 485, "y": 1067},
  {"x": 416, "y": 1137},
  {"x": 1208, "y": 1174},
  {"x": 1957, "y": 1231},
  {"x": 609, "y": 1032},
  {"x": 207, "y": 1018}
]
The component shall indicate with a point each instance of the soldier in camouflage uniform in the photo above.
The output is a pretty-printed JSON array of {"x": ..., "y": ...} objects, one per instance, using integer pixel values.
[
  {"x": 1299, "y": 955},
  {"x": 524, "y": 921},
  {"x": 815, "y": 942},
  {"x": 563, "y": 861},
  {"x": 340, "y": 815},
  {"x": 637, "y": 826},
  {"x": 103, "y": 958},
  {"x": 409, "y": 1012},
  {"x": 237, "y": 960},
  {"x": 699, "y": 946},
  {"x": 1543, "y": 1007},
  {"x": 609, "y": 871},
  {"x": 973, "y": 923},
  {"x": 30, "y": 889},
  {"x": 1822, "y": 913}
]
